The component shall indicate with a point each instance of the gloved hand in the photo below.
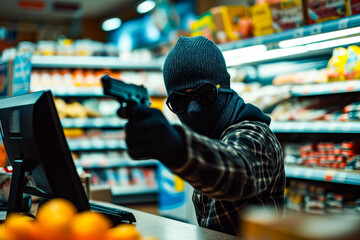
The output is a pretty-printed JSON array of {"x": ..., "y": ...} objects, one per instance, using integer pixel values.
[{"x": 149, "y": 135}]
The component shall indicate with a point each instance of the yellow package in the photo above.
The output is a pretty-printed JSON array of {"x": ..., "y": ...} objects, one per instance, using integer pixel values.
[
  {"x": 352, "y": 66},
  {"x": 204, "y": 26},
  {"x": 232, "y": 22},
  {"x": 261, "y": 19},
  {"x": 336, "y": 64}
]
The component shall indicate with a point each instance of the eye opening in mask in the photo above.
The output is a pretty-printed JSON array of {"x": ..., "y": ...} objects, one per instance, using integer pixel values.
[{"x": 205, "y": 94}]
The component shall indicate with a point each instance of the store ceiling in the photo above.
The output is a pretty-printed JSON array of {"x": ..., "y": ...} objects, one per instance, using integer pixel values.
[{"x": 64, "y": 10}]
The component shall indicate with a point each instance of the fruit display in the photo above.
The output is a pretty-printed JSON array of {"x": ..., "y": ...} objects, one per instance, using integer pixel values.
[{"x": 58, "y": 219}]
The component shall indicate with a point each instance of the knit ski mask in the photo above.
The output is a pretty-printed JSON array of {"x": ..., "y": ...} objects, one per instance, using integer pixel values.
[{"x": 193, "y": 61}]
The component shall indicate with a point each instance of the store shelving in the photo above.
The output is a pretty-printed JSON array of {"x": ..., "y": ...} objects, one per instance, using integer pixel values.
[
  {"x": 325, "y": 27},
  {"x": 315, "y": 127},
  {"x": 96, "y": 144},
  {"x": 92, "y": 62},
  {"x": 351, "y": 177},
  {"x": 93, "y": 145},
  {"x": 61, "y": 91},
  {"x": 113, "y": 122},
  {"x": 115, "y": 163},
  {"x": 326, "y": 88}
]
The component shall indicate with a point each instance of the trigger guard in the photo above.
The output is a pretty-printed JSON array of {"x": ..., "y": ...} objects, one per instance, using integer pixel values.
[{"x": 121, "y": 112}]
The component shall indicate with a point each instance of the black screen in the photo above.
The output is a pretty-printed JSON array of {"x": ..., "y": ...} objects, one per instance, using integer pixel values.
[{"x": 31, "y": 131}]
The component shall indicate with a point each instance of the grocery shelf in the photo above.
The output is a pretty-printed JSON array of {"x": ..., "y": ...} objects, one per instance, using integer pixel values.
[
  {"x": 315, "y": 127},
  {"x": 96, "y": 144},
  {"x": 113, "y": 122},
  {"x": 326, "y": 88},
  {"x": 351, "y": 177},
  {"x": 115, "y": 163},
  {"x": 72, "y": 91},
  {"x": 133, "y": 189},
  {"x": 329, "y": 26},
  {"x": 93, "y": 62}
]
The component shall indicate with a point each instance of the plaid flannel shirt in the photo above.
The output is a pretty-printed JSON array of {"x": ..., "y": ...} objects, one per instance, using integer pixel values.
[{"x": 244, "y": 168}]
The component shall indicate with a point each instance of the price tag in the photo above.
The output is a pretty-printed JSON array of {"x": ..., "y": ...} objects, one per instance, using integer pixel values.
[
  {"x": 341, "y": 177},
  {"x": 317, "y": 126},
  {"x": 112, "y": 143},
  {"x": 343, "y": 23},
  {"x": 350, "y": 87},
  {"x": 85, "y": 144},
  {"x": 97, "y": 122},
  {"x": 306, "y": 90},
  {"x": 332, "y": 126},
  {"x": 79, "y": 122},
  {"x": 329, "y": 175},
  {"x": 298, "y": 33},
  {"x": 316, "y": 29}
]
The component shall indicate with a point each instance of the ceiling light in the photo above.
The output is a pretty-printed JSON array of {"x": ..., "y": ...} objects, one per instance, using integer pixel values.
[
  {"x": 318, "y": 37},
  {"x": 145, "y": 6},
  {"x": 111, "y": 24}
]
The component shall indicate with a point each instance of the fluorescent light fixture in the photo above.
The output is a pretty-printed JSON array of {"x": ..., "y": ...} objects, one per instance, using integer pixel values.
[
  {"x": 111, "y": 24},
  {"x": 318, "y": 37},
  {"x": 145, "y": 6},
  {"x": 270, "y": 54},
  {"x": 244, "y": 51},
  {"x": 333, "y": 43}
]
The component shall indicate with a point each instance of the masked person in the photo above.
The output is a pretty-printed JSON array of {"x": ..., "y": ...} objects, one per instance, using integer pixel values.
[{"x": 224, "y": 147}]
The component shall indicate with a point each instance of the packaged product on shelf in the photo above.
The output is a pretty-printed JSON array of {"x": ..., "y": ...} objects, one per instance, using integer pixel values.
[
  {"x": 45, "y": 48},
  {"x": 232, "y": 23},
  {"x": 124, "y": 178},
  {"x": 138, "y": 177},
  {"x": 336, "y": 64},
  {"x": 352, "y": 66},
  {"x": 261, "y": 18},
  {"x": 204, "y": 26},
  {"x": 111, "y": 176},
  {"x": 314, "y": 200},
  {"x": 324, "y": 10},
  {"x": 3, "y": 75},
  {"x": 303, "y": 77},
  {"x": 334, "y": 202},
  {"x": 286, "y": 14},
  {"x": 352, "y": 7}
]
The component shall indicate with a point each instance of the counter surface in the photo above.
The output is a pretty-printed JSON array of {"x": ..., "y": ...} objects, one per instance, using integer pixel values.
[{"x": 168, "y": 229}]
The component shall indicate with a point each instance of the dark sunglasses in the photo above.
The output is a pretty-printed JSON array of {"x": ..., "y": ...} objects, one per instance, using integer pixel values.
[{"x": 205, "y": 94}]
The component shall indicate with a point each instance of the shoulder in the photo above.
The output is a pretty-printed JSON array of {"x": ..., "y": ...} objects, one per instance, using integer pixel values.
[
  {"x": 252, "y": 133},
  {"x": 250, "y": 127}
]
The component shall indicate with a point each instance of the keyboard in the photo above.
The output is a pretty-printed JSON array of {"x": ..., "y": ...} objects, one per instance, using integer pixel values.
[{"x": 117, "y": 216}]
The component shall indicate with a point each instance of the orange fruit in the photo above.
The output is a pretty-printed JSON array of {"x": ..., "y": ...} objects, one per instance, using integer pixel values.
[
  {"x": 90, "y": 226},
  {"x": 20, "y": 227},
  {"x": 123, "y": 232},
  {"x": 54, "y": 219}
]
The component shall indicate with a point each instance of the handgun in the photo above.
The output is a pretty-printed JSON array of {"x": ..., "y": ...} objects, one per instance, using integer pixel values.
[{"x": 127, "y": 94}]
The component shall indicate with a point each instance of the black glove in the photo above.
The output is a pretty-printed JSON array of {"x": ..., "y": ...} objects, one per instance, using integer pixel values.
[{"x": 149, "y": 135}]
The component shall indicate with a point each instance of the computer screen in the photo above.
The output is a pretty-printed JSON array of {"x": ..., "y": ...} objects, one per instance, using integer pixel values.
[{"x": 37, "y": 149}]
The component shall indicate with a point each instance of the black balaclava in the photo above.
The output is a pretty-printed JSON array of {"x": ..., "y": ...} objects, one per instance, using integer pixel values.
[{"x": 193, "y": 61}]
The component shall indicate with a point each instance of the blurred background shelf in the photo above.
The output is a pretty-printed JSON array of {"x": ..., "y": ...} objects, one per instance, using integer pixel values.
[
  {"x": 115, "y": 163},
  {"x": 351, "y": 177},
  {"x": 93, "y": 122},
  {"x": 325, "y": 88},
  {"x": 93, "y": 62},
  {"x": 96, "y": 144},
  {"x": 315, "y": 29},
  {"x": 315, "y": 127}
]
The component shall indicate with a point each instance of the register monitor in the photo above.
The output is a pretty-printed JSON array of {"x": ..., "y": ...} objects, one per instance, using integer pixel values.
[{"x": 39, "y": 154}]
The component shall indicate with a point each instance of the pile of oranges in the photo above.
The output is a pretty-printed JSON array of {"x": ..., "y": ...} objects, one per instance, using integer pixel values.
[{"x": 58, "y": 219}]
